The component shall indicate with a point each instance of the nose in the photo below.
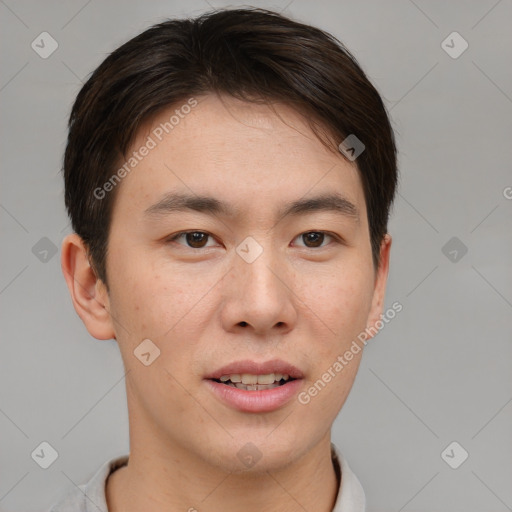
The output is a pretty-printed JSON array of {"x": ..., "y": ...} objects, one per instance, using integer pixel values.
[{"x": 259, "y": 296}]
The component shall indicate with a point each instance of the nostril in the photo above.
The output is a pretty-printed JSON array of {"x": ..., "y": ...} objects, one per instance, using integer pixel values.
[{"x": 243, "y": 324}]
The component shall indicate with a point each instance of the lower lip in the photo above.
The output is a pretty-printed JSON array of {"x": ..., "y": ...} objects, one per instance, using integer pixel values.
[{"x": 255, "y": 401}]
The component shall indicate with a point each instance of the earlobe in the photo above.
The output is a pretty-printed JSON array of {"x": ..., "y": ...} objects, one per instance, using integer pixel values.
[
  {"x": 88, "y": 292},
  {"x": 379, "y": 291}
]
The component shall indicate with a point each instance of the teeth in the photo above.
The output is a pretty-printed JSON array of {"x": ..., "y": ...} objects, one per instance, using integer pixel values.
[
  {"x": 248, "y": 379},
  {"x": 254, "y": 387},
  {"x": 266, "y": 379}
]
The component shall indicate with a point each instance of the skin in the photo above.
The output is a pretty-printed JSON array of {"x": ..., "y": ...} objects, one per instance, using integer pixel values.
[{"x": 207, "y": 307}]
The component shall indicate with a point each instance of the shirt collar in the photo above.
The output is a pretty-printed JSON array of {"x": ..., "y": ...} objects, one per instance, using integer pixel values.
[{"x": 351, "y": 496}]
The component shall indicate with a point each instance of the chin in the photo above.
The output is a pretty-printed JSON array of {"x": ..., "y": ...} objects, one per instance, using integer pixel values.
[{"x": 257, "y": 452}]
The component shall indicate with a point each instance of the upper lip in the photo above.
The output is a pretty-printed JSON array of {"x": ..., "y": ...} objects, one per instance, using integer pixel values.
[{"x": 255, "y": 368}]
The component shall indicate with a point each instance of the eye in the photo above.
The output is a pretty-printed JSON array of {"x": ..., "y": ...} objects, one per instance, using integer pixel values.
[
  {"x": 194, "y": 239},
  {"x": 199, "y": 239},
  {"x": 314, "y": 239}
]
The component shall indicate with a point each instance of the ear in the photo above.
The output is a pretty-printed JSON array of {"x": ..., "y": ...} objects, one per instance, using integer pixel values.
[
  {"x": 88, "y": 292},
  {"x": 379, "y": 291}
]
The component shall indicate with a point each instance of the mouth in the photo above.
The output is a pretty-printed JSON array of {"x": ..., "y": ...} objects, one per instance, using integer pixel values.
[
  {"x": 248, "y": 386},
  {"x": 253, "y": 382}
]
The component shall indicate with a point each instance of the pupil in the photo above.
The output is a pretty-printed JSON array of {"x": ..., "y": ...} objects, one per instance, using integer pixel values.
[
  {"x": 314, "y": 237},
  {"x": 195, "y": 238}
]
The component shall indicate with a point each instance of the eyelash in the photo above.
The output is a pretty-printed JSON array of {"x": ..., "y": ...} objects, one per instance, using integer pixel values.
[{"x": 176, "y": 236}]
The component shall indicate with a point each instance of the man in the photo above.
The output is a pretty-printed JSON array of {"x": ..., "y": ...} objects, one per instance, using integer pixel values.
[{"x": 229, "y": 180}]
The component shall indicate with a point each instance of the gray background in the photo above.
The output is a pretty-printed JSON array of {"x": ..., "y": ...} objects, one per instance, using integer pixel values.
[{"x": 439, "y": 372}]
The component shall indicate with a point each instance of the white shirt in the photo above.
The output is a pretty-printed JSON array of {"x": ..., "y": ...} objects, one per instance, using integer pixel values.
[{"x": 90, "y": 497}]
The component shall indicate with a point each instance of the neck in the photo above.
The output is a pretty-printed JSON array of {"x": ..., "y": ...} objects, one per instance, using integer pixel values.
[{"x": 163, "y": 476}]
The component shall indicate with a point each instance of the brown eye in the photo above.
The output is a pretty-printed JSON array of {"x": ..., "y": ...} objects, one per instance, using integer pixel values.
[
  {"x": 313, "y": 238},
  {"x": 193, "y": 239},
  {"x": 196, "y": 239}
]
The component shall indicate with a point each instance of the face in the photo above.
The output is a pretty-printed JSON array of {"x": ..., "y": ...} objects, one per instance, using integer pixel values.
[{"x": 259, "y": 270}]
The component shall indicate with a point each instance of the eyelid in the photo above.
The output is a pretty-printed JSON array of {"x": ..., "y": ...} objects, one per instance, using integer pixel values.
[
  {"x": 175, "y": 236},
  {"x": 334, "y": 236}
]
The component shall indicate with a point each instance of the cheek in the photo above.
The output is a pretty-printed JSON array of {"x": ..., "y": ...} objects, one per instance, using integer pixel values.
[
  {"x": 170, "y": 306},
  {"x": 340, "y": 308},
  {"x": 162, "y": 393},
  {"x": 340, "y": 301},
  {"x": 152, "y": 301}
]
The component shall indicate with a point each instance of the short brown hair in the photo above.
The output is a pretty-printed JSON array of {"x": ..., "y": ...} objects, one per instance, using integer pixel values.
[{"x": 251, "y": 54}]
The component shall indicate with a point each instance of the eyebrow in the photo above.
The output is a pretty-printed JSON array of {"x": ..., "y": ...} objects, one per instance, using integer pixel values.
[{"x": 173, "y": 202}]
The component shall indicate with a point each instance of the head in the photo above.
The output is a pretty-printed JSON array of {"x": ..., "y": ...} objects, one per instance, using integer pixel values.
[{"x": 216, "y": 216}]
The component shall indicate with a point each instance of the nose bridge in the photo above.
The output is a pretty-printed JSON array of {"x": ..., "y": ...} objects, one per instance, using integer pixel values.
[
  {"x": 257, "y": 266},
  {"x": 259, "y": 294}
]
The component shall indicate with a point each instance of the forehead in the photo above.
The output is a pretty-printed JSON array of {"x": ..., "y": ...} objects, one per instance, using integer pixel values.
[{"x": 242, "y": 153}]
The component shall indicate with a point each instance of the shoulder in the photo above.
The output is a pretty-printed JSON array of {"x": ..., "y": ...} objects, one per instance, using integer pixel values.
[
  {"x": 72, "y": 501},
  {"x": 90, "y": 497}
]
